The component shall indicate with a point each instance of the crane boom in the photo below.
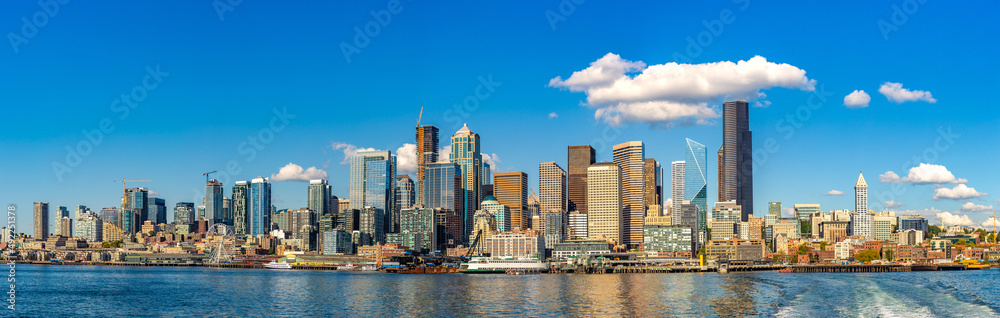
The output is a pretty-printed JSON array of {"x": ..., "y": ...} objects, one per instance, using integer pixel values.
[
  {"x": 207, "y": 174},
  {"x": 421, "y": 116}
]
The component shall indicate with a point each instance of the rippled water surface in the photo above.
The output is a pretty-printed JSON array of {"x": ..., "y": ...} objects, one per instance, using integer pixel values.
[{"x": 60, "y": 291}]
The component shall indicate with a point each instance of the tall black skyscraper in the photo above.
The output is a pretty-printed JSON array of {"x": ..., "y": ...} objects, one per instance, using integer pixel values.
[
  {"x": 736, "y": 160},
  {"x": 580, "y": 157}
]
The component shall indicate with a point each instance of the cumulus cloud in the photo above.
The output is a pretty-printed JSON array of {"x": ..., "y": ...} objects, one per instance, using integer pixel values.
[
  {"x": 959, "y": 192},
  {"x": 553, "y": 115},
  {"x": 949, "y": 219},
  {"x": 990, "y": 223},
  {"x": 406, "y": 159},
  {"x": 889, "y": 177},
  {"x": 673, "y": 94},
  {"x": 892, "y": 204},
  {"x": 788, "y": 212},
  {"x": 493, "y": 160},
  {"x": 349, "y": 150},
  {"x": 835, "y": 192},
  {"x": 897, "y": 94},
  {"x": 972, "y": 207},
  {"x": 857, "y": 99},
  {"x": 925, "y": 173},
  {"x": 294, "y": 172}
]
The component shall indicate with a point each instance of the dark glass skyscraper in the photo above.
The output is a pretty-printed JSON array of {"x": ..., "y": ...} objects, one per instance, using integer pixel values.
[
  {"x": 579, "y": 158},
  {"x": 183, "y": 213},
  {"x": 157, "y": 211},
  {"x": 736, "y": 165},
  {"x": 260, "y": 206},
  {"x": 241, "y": 207},
  {"x": 427, "y": 153},
  {"x": 213, "y": 202}
]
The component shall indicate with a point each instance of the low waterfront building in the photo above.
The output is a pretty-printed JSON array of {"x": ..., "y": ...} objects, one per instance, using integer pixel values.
[
  {"x": 910, "y": 237},
  {"x": 379, "y": 252},
  {"x": 517, "y": 244},
  {"x": 671, "y": 239},
  {"x": 573, "y": 248},
  {"x": 744, "y": 250}
]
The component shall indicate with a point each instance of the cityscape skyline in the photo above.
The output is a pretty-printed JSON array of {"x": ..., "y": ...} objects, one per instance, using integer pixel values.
[{"x": 299, "y": 131}]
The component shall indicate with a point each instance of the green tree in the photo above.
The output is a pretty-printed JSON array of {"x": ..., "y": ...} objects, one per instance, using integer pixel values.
[
  {"x": 866, "y": 255},
  {"x": 805, "y": 227},
  {"x": 889, "y": 255},
  {"x": 803, "y": 249},
  {"x": 822, "y": 246},
  {"x": 933, "y": 230},
  {"x": 151, "y": 232}
]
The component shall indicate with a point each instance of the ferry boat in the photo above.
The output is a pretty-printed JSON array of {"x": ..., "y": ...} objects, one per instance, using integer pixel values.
[
  {"x": 276, "y": 265},
  {"x": 348, "y": 267},
  {"x": 486, "y": 265},
  {"x": 369, "y": 268}
]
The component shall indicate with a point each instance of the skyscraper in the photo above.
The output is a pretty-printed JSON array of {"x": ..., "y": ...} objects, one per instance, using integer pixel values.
[
  {"x": 629, "y": 156},
  {"x": 241, "y": 208},
  {"x": 444, "y": 194},
  {"x": 677, "y": 176},
  {"x": 579, "y": 158},
  {"x": 61, "y": 212},
  {"x": 604, "y": 200},
  {"x": 157, "y": 211},
  {"x": 404, "y": 199},
  {"x": 380, "y": 188},
  {"x": 183, "y": 213},
  {"x": 861, "y": 194},
  {"x": 360, "y": 164},
  {"x": 552, "y": 187},
  {"x": 466, "y": 152},
  {"x": 696, "y": 180},
  {"x": 652, "y": 182},
  {"x": 41, "y": 220},
  {"x": 213, "y": 202},
  {"x": 736, "y": 163},
  {"x": 511, "y": 189},
  {"x": 318, "y": 198},
  {"x": 260, "y": 206},
  {"x": 135, "y": 210},
  {"x": 501, "y": 213},
  {"x": 80, "y": 210},
  {"x": 427, "y": 153}
]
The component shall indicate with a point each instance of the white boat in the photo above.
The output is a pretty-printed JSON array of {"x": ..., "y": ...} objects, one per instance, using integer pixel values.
[
  {"x": 348, "y": 267},
  {"x": 276, "y": 265},
  {"x": 369, "y": 268},
  {"x": 486, "y": 265}
]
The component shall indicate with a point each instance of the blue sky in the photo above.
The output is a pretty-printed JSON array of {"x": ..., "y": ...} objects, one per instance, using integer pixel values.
[{"x": 223, "y": 76}]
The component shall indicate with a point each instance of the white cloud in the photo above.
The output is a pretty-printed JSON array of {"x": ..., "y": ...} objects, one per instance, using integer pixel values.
[
  {"x": 889, "y": 177},
  {"x": 972, "y": 207},
  {"x": 892, "y": 204},
  {"x": 954, "y": 219},
  {"x": 788, "y": 212},
  {"x": 493, "y": 160},
  {"x": 925, "y": 173},
  {"x": 959, "y": 192},
  {"x": 897, "y": 94},
  {"x": 675, "y": 94},
  {"x": 294, "y": 172},
  {"x": 349, "y": 150},
  {"x": 406, "y": 159},
  {"x": 857, "y": 99},
  {"x": 835, "y": 192},
  {"x": 990, "y": 223},
  {"x": 553, "y": 115},
  {"x": 443, "y": 154}
]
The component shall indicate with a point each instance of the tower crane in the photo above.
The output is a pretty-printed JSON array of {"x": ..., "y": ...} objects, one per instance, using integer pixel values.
[
  {"x": 207, "y": 174},
  {"x": 421, "y": 116},
  {"x": 125, "y": 189}
]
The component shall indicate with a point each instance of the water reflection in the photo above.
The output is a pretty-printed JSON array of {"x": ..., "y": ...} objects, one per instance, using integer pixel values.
[{"x": 736, "y": 298}]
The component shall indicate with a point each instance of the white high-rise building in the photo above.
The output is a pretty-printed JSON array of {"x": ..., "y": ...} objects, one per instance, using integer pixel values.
[
  {"x": 604, "y": 201},
  {"x": 861, "y": 194},
  {"x": 677, "y": 187}
]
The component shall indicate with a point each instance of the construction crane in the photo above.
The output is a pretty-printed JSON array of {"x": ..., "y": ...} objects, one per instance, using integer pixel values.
[
  {"x": 421, "y": 116},
  {"x": 124, "y": 182},
  {"x": 207, "y": 175}
]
